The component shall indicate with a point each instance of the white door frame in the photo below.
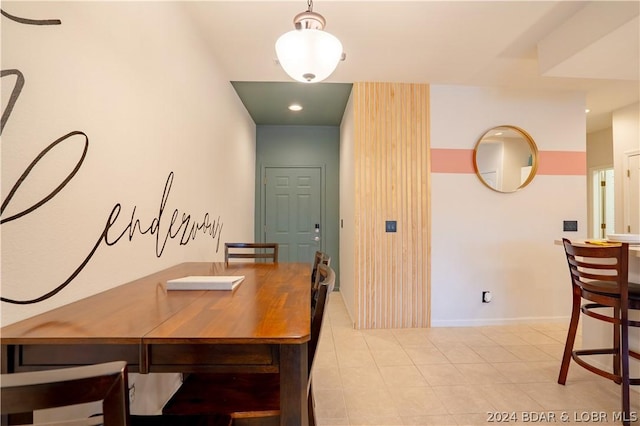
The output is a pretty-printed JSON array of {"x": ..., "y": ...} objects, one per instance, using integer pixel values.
[{"x": 594, "y": 204}]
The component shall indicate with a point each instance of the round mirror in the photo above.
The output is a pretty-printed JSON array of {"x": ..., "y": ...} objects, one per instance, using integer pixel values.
[{"x": 505, "y": 158}]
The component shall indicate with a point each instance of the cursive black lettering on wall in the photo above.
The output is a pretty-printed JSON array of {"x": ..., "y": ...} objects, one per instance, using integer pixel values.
[
  {"x": 185, "y": 229},
  {"x": 28, "y": 21},
  {"x": 178, "y": 226},
  {"x": 15, "y": 92}
]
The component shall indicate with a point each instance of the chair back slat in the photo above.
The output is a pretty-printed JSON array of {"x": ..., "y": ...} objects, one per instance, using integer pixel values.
[{"x": 266, "y": 251}]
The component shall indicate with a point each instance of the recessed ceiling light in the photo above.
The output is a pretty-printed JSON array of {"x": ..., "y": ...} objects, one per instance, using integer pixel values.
[
  {"x": 295, "y": 107},
  {"x": 587, "y": 110}
]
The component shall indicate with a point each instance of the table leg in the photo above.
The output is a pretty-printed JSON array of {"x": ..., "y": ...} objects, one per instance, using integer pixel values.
[{"x": 293, "y": 385}]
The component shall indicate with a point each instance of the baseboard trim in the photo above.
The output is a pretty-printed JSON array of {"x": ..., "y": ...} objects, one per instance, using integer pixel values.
[{"x": 498, "y": 321}]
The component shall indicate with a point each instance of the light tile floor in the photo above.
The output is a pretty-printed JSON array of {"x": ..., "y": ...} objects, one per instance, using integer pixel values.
[{"x": 453, "y": 376}]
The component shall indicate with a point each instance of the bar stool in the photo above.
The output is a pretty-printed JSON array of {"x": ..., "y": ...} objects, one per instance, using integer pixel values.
[{"x": 600, "y": 275}]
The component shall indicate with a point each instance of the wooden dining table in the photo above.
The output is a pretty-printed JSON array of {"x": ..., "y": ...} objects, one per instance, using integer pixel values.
[{"x": 261, "y": 326}]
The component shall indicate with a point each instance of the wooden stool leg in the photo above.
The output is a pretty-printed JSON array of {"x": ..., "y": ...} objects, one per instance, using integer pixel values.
[
  {"x": 571, "y": 336},
  {"x": 616, "y": 344},
  {"x": 624, "y": 354}
]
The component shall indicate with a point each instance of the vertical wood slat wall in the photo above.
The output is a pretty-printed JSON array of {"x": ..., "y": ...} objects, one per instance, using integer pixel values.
[{"x": 392, "y": 272}]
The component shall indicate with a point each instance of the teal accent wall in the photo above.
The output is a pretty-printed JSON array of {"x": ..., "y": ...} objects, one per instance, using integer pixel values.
[{"x": 288, "y": 146}]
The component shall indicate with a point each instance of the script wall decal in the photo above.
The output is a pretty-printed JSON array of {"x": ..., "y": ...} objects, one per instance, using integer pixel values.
[
  {"x": 28, "y": 21},
  {"x": 178, "y": 225}
]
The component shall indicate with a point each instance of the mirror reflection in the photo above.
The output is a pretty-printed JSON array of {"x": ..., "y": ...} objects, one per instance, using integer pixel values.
[{"x": 505, "y": 158}]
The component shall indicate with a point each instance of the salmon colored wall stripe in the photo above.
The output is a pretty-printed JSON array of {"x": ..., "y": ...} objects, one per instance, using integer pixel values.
[
  {"x": 551, "y": 162},
  {"x": 562, "y": 163},
  {"x": 452, "y": 161}
]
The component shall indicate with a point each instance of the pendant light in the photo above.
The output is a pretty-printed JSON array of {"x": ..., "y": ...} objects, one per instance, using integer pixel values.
[{"x": 309, "y": 54}]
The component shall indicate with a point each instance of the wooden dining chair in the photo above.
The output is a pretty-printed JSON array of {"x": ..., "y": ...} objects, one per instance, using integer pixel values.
[
  {"x": 263, "y": 251},
  {"x": 318, "y": 258},
  {"x": 325, "y": 276},
  {"x": 23, "y": 393},
  {"x": 250, "y": 395},
  {"x": 599, "y": 275}
]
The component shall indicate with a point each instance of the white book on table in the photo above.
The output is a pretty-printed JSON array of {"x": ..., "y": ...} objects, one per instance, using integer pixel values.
[{"x": 205, "y": 282}]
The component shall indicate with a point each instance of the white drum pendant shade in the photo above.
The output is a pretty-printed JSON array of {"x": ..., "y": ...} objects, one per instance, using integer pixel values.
[{"x": 308, "y": 55}]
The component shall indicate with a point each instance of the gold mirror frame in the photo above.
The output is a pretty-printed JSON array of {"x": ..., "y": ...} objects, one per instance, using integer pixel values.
[{"x": 502, "y": 156}]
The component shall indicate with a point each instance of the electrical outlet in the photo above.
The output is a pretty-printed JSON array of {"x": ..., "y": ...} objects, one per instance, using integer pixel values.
[
  {"x": 570, "y": 225},
  {"x": 390, "y": 226}
]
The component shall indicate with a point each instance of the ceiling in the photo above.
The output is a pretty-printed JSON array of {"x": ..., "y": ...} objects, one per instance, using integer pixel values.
[
  {"x": 268, "y": 102},
  {"x": 592, "y": 47}
]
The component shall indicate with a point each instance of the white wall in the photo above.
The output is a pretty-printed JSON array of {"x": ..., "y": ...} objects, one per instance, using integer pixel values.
[
  {"x": 347, "y": 209},
  {"x": 600, "y": 148},
  {"x": 484, "y": 240},
  {"x": 626, "y": 138},
  {"x": 152, "y": 100}
]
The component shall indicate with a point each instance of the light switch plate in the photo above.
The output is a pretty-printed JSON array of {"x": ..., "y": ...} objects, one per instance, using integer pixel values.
[{"x": 390, "y": 226}]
